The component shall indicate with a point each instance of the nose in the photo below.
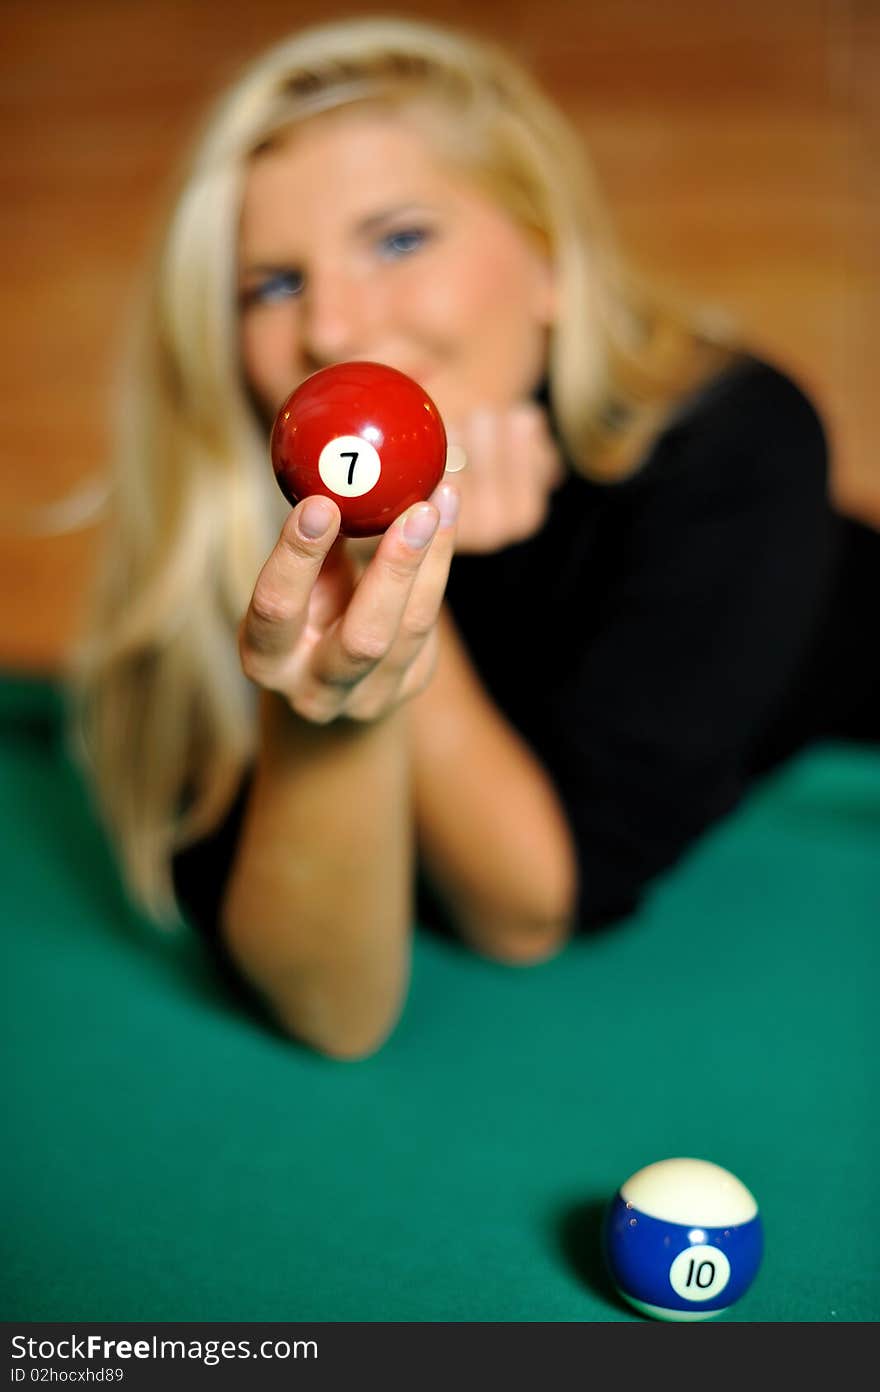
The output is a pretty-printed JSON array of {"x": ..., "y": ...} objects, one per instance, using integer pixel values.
[{"x": 337, "y": 317}]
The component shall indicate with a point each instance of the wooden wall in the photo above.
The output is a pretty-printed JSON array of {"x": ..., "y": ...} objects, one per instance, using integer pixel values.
[{"x": 736, "y": 139}]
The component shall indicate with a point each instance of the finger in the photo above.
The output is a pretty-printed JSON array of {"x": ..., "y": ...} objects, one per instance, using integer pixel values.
[
  {"x": 279, "y": 604},
  {"x": 456, "y": 455},
  {"x": 404, "y": 669},
  {"x": 426, "y": 596},
  {"x": 510, "y": 473},
  {"x": 482, "y": 499},
  {"x": 369, "y": 626},
  {"x": 528, "y": 469},
  {"x": 543, "y": 444},
  {"x": 373, "y": 698},
  {"x": 420, "y": 671}
]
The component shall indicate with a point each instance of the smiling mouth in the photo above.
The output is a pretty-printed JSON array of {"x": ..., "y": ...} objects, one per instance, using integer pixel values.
[{"x": 417, "y": 375}]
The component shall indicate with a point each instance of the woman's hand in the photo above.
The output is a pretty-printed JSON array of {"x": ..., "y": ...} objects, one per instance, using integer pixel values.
[
  {"x": 337, "y": 638},
  {"x": 513, "y": 466}
]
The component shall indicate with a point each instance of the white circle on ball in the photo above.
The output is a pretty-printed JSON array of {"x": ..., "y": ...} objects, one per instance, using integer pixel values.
[
  {"x": 698, "y": 1273},
  {"x": 349, "y": 465}
]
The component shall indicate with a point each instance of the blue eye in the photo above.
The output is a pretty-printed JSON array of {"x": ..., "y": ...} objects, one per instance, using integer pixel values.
[
  {"x": 395, "y": 245},
  {"x": 275, "y": 288}
]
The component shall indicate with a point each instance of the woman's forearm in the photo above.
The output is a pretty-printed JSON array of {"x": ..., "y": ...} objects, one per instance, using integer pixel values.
[
  {"x": 492, "y": 834},
  {"x": 319, "y": 906}
]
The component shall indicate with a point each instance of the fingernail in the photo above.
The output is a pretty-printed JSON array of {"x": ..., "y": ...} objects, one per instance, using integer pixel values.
[
  {"x": 447, "y": 500},
  {"x": 315, "y": 518},
  {"x": 419, "y": 525},
  {"x": 456, "y": 459}
]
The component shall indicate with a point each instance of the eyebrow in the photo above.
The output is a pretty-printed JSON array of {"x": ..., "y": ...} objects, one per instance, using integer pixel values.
[
  {"x": 375, "y": 220},
  {"x": 364, "y": 228}
]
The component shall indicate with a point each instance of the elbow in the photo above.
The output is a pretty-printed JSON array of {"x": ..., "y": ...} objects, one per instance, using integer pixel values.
[
  {"x": 342, "y": 1000},
  {"x": 528, "y": 946},
  {"x": 525, "y": 933},
  {"x": 344, "y": 1045},
  {"x": 344, "y": 1026},
  {"x": 515, "y": 941}
]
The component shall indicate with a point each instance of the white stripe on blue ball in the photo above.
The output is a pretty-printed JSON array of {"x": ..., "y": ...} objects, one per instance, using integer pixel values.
[{"x": 683, "y": 1239}]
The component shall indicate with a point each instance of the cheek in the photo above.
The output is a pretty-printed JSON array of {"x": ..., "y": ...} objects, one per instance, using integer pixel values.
[
  {"x": 479, "y": 298},
  {"x": 495, "y": 284},
  {"x": 268, "y": 354},
  {"x": 506, "y": 298}
]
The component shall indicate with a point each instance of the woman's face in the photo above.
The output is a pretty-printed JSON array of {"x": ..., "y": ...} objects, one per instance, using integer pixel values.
[{"x": 356, "y": 241}]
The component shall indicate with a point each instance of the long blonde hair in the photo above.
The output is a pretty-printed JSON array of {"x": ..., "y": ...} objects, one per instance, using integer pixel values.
[{"x": 163, "y": 720}]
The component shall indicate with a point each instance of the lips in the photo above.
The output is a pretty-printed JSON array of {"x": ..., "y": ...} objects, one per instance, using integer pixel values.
[{"x": 418, "y": 374}]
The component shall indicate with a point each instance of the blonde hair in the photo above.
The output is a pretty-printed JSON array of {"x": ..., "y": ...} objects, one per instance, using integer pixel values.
[{"x": 163, "y": 720}]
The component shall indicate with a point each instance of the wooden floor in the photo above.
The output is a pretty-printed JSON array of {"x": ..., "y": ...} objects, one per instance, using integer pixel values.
[{"x": 737, "y": 141}]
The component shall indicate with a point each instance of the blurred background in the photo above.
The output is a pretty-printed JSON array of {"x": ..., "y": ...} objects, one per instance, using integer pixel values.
[{"x": 737, "y": 144}]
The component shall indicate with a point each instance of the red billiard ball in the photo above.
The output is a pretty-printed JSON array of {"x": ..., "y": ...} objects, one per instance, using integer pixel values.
[{"x": 363, "y": 434}]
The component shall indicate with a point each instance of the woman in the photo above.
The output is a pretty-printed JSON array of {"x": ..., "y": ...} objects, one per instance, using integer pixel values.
[{"x": 536, "y": 689}]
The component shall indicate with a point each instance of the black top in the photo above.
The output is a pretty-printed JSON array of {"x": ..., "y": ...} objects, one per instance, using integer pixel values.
[{"x": 662, "y": 641}]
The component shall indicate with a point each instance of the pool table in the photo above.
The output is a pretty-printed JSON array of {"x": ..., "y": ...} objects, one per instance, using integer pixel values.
[{"x": 173, "y": 1159}]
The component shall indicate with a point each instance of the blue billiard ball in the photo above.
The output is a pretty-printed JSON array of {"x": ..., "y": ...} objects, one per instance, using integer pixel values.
[{"x": 683, "y": 1239}]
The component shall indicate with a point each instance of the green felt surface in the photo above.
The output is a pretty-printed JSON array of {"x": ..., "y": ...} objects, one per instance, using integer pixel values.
[{"x": 168, "y": 1158}]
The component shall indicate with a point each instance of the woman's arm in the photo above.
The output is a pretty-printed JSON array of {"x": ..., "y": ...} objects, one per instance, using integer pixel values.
[
  {"x": 318, "y": 908},
  {"x": 319, "y": 903},
  {"x": 492, "y": 834}
]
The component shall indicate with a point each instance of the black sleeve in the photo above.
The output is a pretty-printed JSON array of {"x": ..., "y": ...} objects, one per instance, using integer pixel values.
[
  {"x": 201, "y": 872},
  {"x": 723, "y": 567}
]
